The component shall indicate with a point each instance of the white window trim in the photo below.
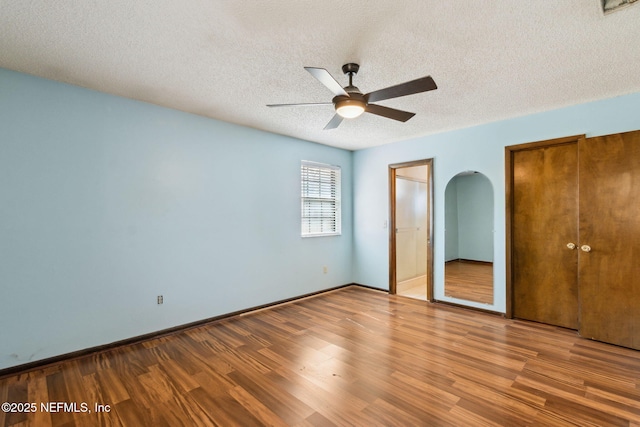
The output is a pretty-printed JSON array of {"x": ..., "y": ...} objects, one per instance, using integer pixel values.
[{"x": 305, "y": 222}]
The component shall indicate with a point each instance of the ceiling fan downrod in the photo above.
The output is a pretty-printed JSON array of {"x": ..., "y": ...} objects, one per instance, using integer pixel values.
[{"x": 350, "y": 69}]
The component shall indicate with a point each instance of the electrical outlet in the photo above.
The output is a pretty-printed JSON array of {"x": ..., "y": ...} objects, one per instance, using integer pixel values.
[
  {"x": 160, "y": 299},
  {"x": 325, "y": 269}
]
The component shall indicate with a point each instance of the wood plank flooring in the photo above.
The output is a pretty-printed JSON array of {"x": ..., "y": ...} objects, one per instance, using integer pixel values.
[
  {"x": 348, "y": 357},
  {"x": 468, "y": 280}
]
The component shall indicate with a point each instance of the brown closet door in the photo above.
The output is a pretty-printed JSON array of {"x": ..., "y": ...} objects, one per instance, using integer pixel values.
[
  {"x": 610, "y": 226},
  {"x": 545, "y": 220}
]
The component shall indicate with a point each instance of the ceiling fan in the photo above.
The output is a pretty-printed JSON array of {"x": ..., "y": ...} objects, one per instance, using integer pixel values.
[{"x": 349, "y": 102}]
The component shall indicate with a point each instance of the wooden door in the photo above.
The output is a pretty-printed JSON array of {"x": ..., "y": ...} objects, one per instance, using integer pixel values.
[
  {"x": 610, "y": 226},
  {"x": 544, "y": 218}
]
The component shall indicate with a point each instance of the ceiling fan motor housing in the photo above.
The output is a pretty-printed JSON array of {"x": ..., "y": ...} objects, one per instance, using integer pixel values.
[{"x": 350, "y": 106}]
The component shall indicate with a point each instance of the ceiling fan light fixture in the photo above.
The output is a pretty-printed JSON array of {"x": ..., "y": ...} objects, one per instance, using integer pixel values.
[{"x": 350, "y": 108}]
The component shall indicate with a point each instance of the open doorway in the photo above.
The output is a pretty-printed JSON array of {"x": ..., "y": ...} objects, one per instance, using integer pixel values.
[
  {"x": 411, "y": 229},
  {"x": 469, "y": 235}
]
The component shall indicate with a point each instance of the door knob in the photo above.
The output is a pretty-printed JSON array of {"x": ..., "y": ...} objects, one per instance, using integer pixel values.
[
  {"x": 586, "y": 248},
  {"x": 571, "y": 246}
]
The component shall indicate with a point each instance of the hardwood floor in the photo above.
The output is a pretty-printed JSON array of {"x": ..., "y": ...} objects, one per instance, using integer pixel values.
[
  {"x": 348, "y": 357},
  {"x": 468, "y": 280}
]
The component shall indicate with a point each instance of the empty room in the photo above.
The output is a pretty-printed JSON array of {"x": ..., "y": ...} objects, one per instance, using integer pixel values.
[{"x": 294, "y": 213}]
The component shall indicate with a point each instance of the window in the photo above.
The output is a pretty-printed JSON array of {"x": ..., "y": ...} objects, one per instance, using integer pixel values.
[{"x": 320, "y": 199}]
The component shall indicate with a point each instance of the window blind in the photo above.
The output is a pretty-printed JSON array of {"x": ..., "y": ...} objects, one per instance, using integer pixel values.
[{"x": 320, "y": 199}]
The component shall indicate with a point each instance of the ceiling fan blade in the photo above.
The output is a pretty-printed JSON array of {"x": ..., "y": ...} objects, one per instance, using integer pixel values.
[
  {"x": 390, "y": 113},
  {"x": 307, "y": 104},
  {"x": 327, "y": 79},
  {"x": 334, "y": 122},
  {"x": 423, "y": 84}
]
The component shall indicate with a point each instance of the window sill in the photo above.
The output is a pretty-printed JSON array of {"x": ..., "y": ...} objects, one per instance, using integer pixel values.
[{"x": 304, "y": 236}]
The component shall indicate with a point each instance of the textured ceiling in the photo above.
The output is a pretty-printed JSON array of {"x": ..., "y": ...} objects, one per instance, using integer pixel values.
[{"x": 491, "y": 59}]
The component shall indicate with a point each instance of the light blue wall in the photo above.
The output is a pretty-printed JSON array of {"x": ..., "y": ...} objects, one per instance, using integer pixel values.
[
  {"x": 475, "y": 217},
  {"x": 479, "y": 148},
  {"x": 106, "y": 203},
  {"x": 469, "y": 218},
  {"x": 451, "y": 220}
]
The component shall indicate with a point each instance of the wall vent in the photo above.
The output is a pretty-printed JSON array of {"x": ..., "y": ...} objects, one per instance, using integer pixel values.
[{"x": 609, "y": 6}]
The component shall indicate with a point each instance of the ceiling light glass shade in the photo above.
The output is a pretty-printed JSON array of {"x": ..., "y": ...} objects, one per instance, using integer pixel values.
[{"x": 350, "y": 108}]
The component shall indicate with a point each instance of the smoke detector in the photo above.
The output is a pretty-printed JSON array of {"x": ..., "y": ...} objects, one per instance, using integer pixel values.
[{"x": 609, "y": 6}]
